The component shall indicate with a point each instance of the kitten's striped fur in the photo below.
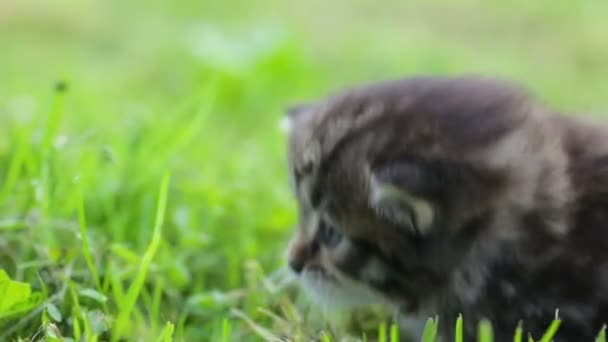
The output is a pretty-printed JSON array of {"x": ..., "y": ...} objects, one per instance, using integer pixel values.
[{"x": 453, "y": 195}]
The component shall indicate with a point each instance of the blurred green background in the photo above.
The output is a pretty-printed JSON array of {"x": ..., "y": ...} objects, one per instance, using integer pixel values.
[{"x": 196, "y": 89}]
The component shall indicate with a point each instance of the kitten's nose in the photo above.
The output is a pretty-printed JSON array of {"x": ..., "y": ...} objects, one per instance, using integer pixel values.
[
  {"x": 296, "y": 266},
  {"x": 299, "y": 253}
]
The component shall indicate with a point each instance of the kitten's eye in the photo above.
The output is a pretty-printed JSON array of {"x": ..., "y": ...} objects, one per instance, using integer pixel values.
[{"x": 328, "y": 234}]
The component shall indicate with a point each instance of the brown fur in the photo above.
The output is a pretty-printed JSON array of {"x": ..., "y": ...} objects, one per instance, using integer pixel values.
[{"x": 519, "y": 197}]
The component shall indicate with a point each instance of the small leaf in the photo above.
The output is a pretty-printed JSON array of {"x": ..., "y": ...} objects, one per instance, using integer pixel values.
[
  {"x": 210, "y": 300},
  {"x": 16, "y": 297},
  {"x": 93, "y": 294},
  {"x": 54, "y": 312},
  {"x": 126, "y": 254},
  {"x": 12, "y": 292}
]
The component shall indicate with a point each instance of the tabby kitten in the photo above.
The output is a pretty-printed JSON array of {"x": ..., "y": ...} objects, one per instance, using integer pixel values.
[{"x": 453, "y": 195}]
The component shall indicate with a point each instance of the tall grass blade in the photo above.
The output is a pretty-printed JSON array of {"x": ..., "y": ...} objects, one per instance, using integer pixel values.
[
  {"x": 14, "y": 169},
  {"x": 55, "y": 116},
  {"x": 86, "y": 248},
  {"x": 123, "y": 319},
  {"x": 46, "y": 161}
]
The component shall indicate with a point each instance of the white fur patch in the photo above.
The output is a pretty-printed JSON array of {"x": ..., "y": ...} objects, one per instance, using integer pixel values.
[
  {"x": 373, "y": 271},
  {"x": 285, "y": 124},
  {"x": 341, "y": 292},
  {"x": 330, "y": 294}
]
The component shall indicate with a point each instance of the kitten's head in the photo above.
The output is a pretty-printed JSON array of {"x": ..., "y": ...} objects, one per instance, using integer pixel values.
[{"x": 397, "y": 184}]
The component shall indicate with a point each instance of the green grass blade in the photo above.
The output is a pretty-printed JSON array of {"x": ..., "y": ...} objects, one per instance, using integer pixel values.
[
  {"x": 77, "y": 313},
  {"x": 382, "y": 333},
  {"x": 46, "y": 162},
  {"x": 552, "y": 330},
  {"x": 484, "y": 332},
  {"x": 429, "y": 333},
  {"x": 519, "y": 332},
  {"x": 394, "y": 333},
  {"x": 459, "y": 335},
  {"x": 86, "y": 248},
  {"x": 226, "y": 330},
  {"x": 155, "y": 306},
  {"x": 326, "y": 337},
  {"x": 601, "y": 337},
  {"x": 52, "y": 125},
  {"x": 123, "y": 319},
  {"x": 14, "y": 170},
  {"x": 118, "y": 292},
  {"x": 167, "y": 334}
]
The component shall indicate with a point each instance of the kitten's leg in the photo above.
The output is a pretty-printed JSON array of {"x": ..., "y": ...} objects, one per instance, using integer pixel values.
[{"x": 412, "y": 327}]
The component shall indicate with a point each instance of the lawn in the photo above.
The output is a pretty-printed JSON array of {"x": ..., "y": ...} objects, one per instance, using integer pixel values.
[{"x": 143, "y": 188}]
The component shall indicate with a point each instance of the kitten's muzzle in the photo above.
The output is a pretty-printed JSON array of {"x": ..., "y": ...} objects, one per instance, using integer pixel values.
[
  {"x": 300, "y": 253},
  {"x": 296, "y": 266}
]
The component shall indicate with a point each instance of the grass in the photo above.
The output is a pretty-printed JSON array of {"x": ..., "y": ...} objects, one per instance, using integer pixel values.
[{"x": 101, "y": 101}]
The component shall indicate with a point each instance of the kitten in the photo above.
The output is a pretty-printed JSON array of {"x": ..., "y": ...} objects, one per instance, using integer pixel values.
[{"x": 453, "y": 195}]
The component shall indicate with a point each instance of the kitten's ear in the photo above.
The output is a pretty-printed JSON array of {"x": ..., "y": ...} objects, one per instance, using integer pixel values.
[
  {"x": 296, "y": 113},
  {"x": 392, "y": 201},
  {"x": 300, "y": 109}
]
